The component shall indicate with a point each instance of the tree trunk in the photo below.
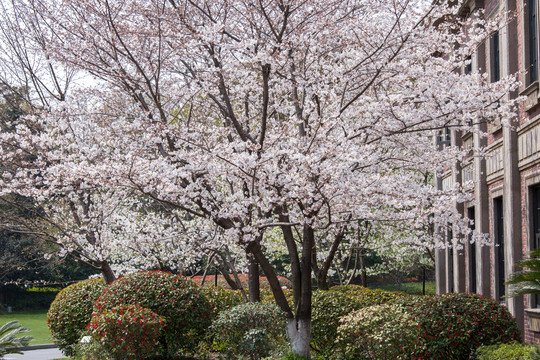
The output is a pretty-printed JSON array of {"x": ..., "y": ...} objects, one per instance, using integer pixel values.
[
  {"x": 299, "y": 335},
  {"x": 293, "y": 256},
  {"x": 299, "y": 326},
  {"x": 299, "y": 329},
  {"x": 107, "y": 272},
  {"x": 322, "y": 273},
  {"x": 271, "y": 276},
  {"x": 230, "y": 281},
  {"x": 322, "y": 281},
  {"x": 207, "y": 268},
  {"x": 253, "y": 279},
  {"x": 363, "y": 270}
]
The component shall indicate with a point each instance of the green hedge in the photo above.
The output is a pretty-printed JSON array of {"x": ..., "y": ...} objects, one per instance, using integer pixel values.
[
  {"x": 20, "y": 298},
  {"x": 71, "y": 312},
  {"x": 221, "y": 299},
  {"x": 513, "y": 351}
]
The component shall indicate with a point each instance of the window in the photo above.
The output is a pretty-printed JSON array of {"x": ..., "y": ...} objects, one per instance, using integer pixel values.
[
  {"x": 450, "y": 260},
  {"x": 468, "y": 68},
  {"x": 472, "y": 255},
  {"x": 444, "y": 136},
  {"x": 499, "y": 246},
  {"x": 531, "y": 17},
  {"x": 495, "y": 57},
  {"x": 535, "y": 227}
]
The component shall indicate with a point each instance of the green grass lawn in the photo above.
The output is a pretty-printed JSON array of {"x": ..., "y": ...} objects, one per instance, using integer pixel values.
[
  {"x": 35, "y": 320},
  {"x": 412, "y": 288}
]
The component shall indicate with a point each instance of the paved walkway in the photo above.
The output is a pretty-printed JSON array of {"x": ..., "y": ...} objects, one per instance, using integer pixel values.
[{"x": 43, "y": 354}]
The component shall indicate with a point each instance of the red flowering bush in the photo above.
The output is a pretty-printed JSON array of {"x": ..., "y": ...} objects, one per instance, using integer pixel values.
[
  {"x": 173, "y": 297},
  {"x": 71, "y": 311},
  {"x": 128, "y": 331},
  {"x": 453, "y": 326}
]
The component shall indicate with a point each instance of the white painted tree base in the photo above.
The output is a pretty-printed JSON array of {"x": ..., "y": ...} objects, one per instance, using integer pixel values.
[{"x": 299, "y": 333}]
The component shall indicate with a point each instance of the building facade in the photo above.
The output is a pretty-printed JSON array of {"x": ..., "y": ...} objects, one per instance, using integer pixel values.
[{"x": 507, "y": 181}]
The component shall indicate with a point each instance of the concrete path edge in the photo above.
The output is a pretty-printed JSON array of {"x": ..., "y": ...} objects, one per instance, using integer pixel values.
[{"x": 39, "y": 347}]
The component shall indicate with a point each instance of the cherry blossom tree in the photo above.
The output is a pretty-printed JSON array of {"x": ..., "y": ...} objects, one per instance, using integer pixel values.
[{"x": 305, "y": 116}]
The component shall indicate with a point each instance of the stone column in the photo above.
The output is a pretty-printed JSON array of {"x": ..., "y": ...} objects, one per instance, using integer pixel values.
[
  {"x": 481, "y": 214},
  {"x": 481, "y": 193},
  {"x": 440, "y": 254},
  {"x": 458, "y": 252},
  {"x": 512, "y": 180}
]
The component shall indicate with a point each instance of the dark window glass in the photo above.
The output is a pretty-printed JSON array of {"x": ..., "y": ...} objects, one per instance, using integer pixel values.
[
  {"x": 532, "y": 12},
  {"x": 450, "y": 259},
  {"x": 535, "y": 229},
  {"x": 499, "y": 245},
  {"x": 472, "y": 255},
  {"x": 495, "y": 57},
  {"x": 468, "y": 67},
  {"x": 444, "y": 137}
]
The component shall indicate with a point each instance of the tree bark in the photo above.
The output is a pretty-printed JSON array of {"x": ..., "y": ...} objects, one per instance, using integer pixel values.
[
  {"x": 299, "y": 334},
  {"x": 299, "y": 328},
  {"x": 208, "y": 265},
  {"x": 321, "y": 273},
  {"x": 268, "y": 270},
  {"x": 293, "y": 255},
  {"x": 107, "y": 272},
  {"x": 363, "y": 275},
  {"x": 223, "y": 270},
  {"x": 253, "y": 279}
]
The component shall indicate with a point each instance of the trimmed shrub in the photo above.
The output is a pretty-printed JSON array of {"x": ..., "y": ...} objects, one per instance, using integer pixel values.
[
  {"x": 251, "y": 330},
  {"x": 71, "y": 311},
  {"x": 128, "y": 331},
  {"x": 221, "y": 299},
  {"x": 365, "y": 297},
  {"x": 453, "y": 326},
  {"x": 268, "y": 297},
  {"x": 330, "y": 306},
  {"x": 514, "y": 351},
  {"x": 377, "y": 332},
  {"x": 178, "y": 300},
  {"x": 20, "y": 298}
]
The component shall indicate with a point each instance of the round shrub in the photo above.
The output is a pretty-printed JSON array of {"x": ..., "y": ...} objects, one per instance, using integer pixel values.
[
  {"x": 221, "y": 299},
  {"x": 514, "y": 351},
  {"x": 127, "y": 331},
  {"x": 377, "y": 333},
  {"x": 453, "y": 326},
  {"x": 71, "y": 311},
  {"x": 178, "y": 300},
  {"x": 251, "y": 330},
  {"x": 328, "y": 307}
]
